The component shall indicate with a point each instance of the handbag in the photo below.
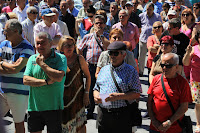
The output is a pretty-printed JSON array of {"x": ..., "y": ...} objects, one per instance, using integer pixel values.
[
  {"x": 186, "y": 123},
  {"x": 135, "y": 113}
]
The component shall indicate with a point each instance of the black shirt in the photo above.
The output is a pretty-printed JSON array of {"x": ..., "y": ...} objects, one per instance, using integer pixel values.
[
  {"x": 181, "y": 41},
  {"x": 134, "y": 18},
  {"x": 70, "y": 22}
]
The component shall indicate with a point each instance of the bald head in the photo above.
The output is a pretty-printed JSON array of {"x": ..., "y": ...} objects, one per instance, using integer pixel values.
[{"x": 172, "y": 57}]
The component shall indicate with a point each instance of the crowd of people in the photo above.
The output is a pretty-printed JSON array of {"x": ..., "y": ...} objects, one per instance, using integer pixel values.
[{"x": 60, "y": 57}]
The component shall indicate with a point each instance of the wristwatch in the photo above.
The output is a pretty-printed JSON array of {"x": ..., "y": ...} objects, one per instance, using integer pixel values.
[{"x": 169, "y": 122}]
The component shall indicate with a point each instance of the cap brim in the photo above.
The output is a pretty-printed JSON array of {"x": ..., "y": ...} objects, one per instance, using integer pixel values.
[{"x": 50, "y": 14}]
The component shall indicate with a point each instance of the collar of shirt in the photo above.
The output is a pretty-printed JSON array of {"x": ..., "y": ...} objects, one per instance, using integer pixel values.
[
  {"x": 25, "y": 8},
  {"x": 119, "y": 68},
  {"x": 128, "y": 24},
  {"x": 44, "y": 25},
  {"x": 30, "y": 22}
]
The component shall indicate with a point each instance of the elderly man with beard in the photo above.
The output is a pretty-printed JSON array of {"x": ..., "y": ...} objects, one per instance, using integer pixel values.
[
  {"x": 120, "y": 85},
  {"x": 96, "y": 43}
]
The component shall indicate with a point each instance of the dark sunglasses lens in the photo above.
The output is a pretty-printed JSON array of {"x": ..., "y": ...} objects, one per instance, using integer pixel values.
[
  {"x": 34, "y": 12},
  {"x": 114, "y": 53},
  {"x": 185, "y": 15},
  {"x": 90, "y": 16},
  {"x": 167, "y": 65}
]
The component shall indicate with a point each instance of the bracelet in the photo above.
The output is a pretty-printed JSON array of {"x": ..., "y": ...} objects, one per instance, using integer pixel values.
[
  {"x": 87, "y": 92},
  {"x": 46, "y": 82}
]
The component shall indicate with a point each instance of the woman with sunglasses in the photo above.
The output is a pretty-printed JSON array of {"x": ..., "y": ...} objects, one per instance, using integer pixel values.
[
  {"x": 188, "y": 23},
  {"x": 163, "y": 14},
  {"x": 115, "y": 35},
  {"x": 167, "y": 45},
  {"x": 153, "y": 43},
  {"x": 192, "y": 59},
  {"x": 87, "y": 22},
  {"x": 196, "y": 10},
  {"x": 75, "y": 96}
]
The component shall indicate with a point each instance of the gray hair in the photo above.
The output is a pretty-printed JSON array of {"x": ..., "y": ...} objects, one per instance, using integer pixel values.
[
  {"x": 174, "y": 56},
  {"x": 54, "y": 9},
  {"x": 14, "y": 24},
  {"x": 41, "y": 34},
  {"x": 114, "y": 4},
  {"x": 175, "y": 22},
  {"x": 100, "y": 17},
  {"x": 31, "y": 8},
  {"x": 124, "y": 10},
  {"x": 150, "y": 5}
]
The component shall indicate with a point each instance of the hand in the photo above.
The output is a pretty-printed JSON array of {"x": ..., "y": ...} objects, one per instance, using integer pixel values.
[
  {"x": 97, "y": 99},
  {"x": 80, "y": 20},
  {"x": 113, "y": 97},
  {"x": 156, "y": 46},
  {"x": 86, "y": 100},
  {"x": 50, "y": 81},
  {"x": 40, "y": 60},
  {"x": 189, "y": 49},
  {"x": 164, "y": 126}
]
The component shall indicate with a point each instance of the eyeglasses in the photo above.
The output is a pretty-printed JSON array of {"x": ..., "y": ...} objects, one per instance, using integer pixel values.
[
  {"x": 164, "y": 44},
  {"x": 68, "y": 45},
  {"x": 167, "y": 65},
  {"x": 32, "y": 12},
  {"x": 90, "y": 16},
  {"x": 157, "y": 27},
  {"x": 99, "y": 23},
  {"x": 196, "y": 7},
  {"x": 185, "y": 14},
  {"x": 123, "y": 16},
  {"x": 113, "y": 53}
]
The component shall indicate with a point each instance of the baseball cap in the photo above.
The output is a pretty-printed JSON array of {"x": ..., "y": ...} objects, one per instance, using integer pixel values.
[
  {"x": 47, "y": 12},
  {"x": 171, "y": 12},
  {"x": 129, "y": 3}
]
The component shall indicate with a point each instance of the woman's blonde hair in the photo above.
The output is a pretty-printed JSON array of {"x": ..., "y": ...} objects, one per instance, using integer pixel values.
[
  {"x": 12, "y": 15},
  {"x": 116, "y": 31},
  {"x": 156, "y": 23},
  {"x": 62, "y": 40},
  {"x": 188, "y": 10}
]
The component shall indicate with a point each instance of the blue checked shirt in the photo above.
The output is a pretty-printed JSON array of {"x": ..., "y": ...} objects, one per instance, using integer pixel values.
[{"x": 127, "y": 79}]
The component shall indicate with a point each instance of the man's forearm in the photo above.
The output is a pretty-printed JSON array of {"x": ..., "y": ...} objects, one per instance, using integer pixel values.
[
  {"x": 180, "y": 112},
  {"x": 34, "y": 82},
  {"x": 53, "y": 74}
]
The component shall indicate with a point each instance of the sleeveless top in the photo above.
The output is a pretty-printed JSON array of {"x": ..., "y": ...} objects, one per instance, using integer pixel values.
[{"x": 195, "y": 65}]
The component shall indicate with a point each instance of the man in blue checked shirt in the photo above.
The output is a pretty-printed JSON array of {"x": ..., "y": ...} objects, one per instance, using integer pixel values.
[{"x": 115, "y": 118}]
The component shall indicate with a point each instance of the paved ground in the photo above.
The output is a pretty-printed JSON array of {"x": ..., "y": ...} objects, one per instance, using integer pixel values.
[{"x": 91, "y": 125}]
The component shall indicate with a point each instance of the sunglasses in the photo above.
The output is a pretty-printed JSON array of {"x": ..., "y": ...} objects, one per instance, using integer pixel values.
[
  {"x": 32, "y": 12},
  {"x": 185, "y": 14},
  {"x": 165, "y": 44},
  {"x": 68, "y": 45},
  {"x": 113, "y": 53},
  {"x": 167, "y": 65},
  {"x": 98, "y": 22},
  {"x": 135, "y": 3},
  {"x": 90, "y": 16},
  {"x": 196, "y": 7},
  {"x": 157, "y": 27}
]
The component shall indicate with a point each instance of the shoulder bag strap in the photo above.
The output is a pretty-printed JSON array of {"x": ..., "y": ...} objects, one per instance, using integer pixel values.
[
  {"x": 98, "y": 42},
  {"x": 113, "y": 77},
  {"x": 168, "y": 100}
]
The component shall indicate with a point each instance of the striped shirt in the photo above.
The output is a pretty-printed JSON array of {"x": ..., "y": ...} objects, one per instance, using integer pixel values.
[
  {"x": 93, "y": 49},
  {"x": 127, "y": 79},
  {"x": 13, "y": 83}
]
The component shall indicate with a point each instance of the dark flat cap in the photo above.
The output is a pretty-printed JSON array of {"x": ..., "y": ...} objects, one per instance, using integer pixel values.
[{"x": 117, "y": 45}]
